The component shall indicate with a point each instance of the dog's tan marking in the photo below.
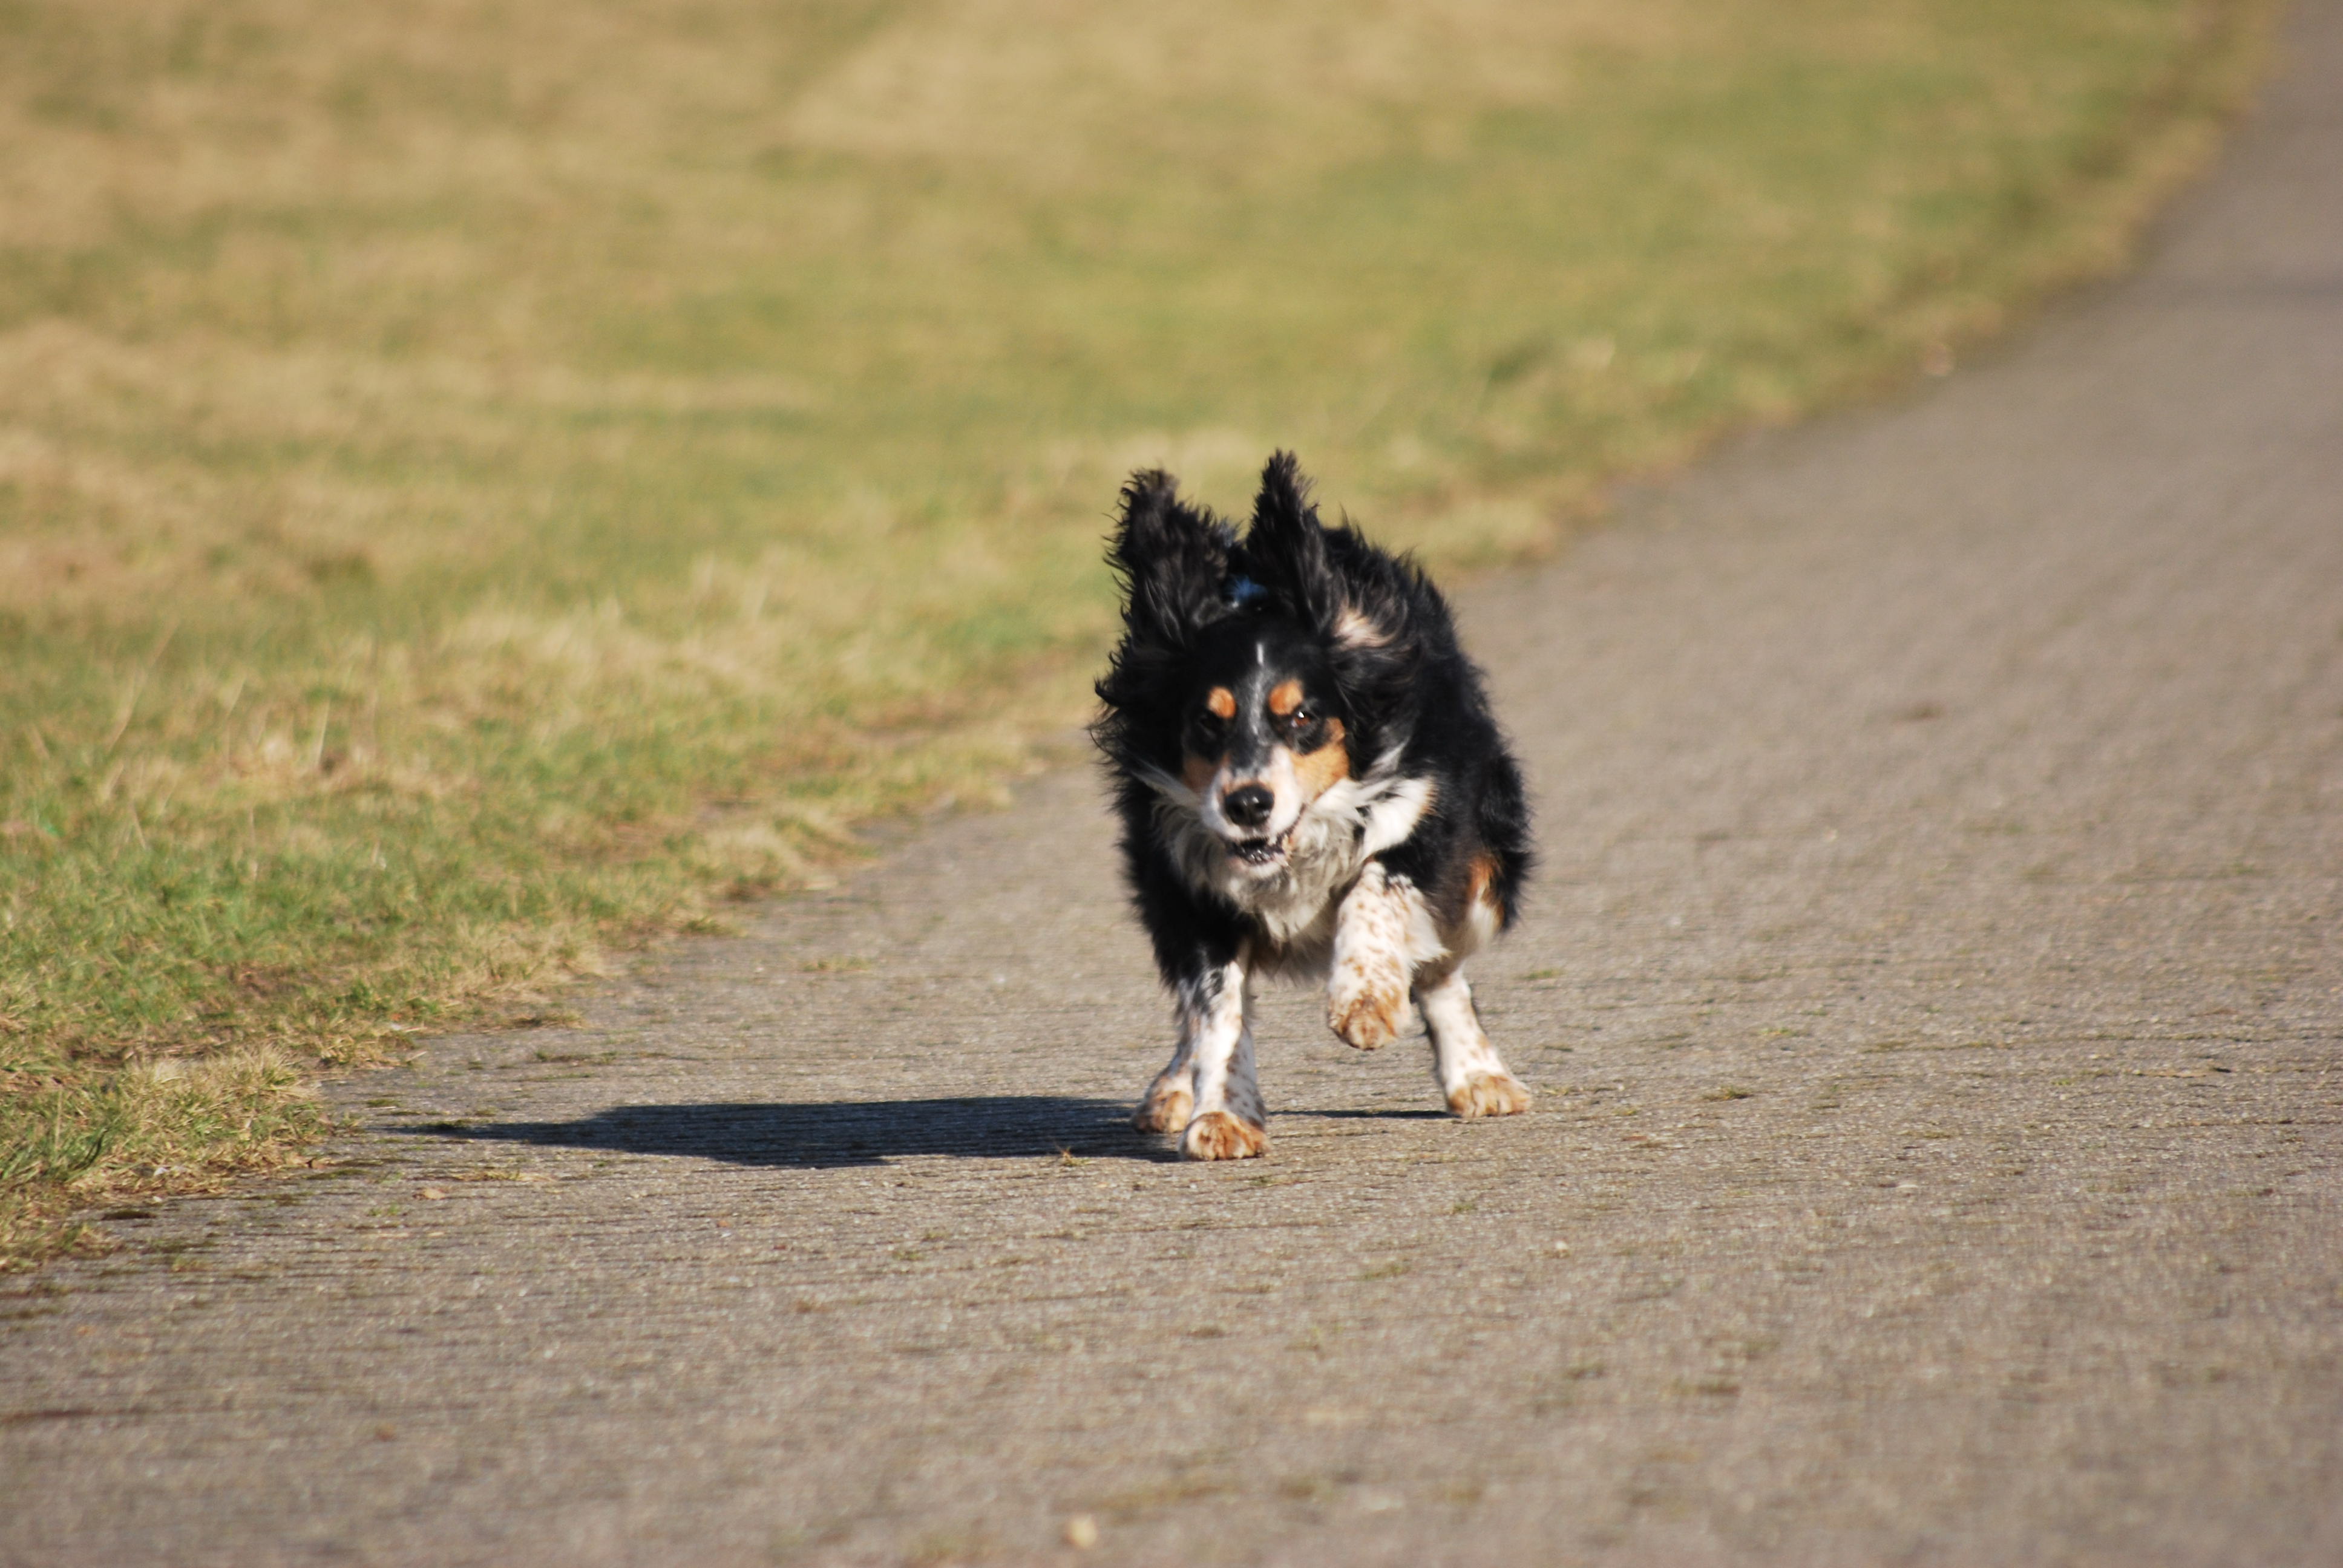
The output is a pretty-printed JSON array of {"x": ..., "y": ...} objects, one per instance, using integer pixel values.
[
  {"x": 1319, "y": 771},
  {"x": 1199, "y": 772},
  {"x": 1366, "y": 991},
  {"x": 1286, "y": 698},
  {"x": 1220, "y": 703},
  {"x": 1354, "y": 630},
  {"x": 1217, "y": 1135},
  {"x": 1166, "y": 1106},
  {"x": 1482, "y": 903}
]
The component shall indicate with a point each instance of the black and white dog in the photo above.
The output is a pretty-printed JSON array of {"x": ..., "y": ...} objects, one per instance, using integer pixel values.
[{"x": 1311, "y": 786}]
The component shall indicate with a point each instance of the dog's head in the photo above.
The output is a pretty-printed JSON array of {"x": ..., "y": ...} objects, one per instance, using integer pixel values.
[
  {"x": 1260, "y": 734},
  {"x": 1257, "y": 674}
]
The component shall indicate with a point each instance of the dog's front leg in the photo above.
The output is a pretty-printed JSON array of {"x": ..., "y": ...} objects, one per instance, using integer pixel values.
[
  {"x": 1212, "y": 1071},
  {"x": 1473, "y": 1080},
  {"x": 1366, "y": 990}
]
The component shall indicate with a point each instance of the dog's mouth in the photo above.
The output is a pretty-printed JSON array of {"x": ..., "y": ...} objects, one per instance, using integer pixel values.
[{"x": 1260, "y": 853}]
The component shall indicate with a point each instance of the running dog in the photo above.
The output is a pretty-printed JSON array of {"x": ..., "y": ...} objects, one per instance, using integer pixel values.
[{"x": 1311, "y": 786}]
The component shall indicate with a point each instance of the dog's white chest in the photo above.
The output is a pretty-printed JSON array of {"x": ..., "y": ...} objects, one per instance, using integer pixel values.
[{"x": 1295, "y": 911}]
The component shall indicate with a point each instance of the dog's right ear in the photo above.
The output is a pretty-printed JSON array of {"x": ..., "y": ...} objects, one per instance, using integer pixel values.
[{"x": 1171, "y": 558}]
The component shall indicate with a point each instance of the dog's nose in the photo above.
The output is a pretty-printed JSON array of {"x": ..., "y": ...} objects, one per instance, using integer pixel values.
[{"x": 1247, "y": 807}]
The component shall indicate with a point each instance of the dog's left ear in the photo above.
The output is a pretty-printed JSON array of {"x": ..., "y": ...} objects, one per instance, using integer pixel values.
[{"x": 1319, "y": 573}]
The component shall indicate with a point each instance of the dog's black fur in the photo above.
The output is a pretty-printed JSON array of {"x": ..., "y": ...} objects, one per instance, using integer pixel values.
[{"x": 1370, "y": 640}]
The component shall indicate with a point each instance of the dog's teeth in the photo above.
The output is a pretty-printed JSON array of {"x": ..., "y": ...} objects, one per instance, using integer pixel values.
[{"x": 1258, "y": 851}]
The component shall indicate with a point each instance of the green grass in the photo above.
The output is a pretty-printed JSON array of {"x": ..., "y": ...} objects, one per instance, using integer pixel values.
[{"x": 484, "y": 486}]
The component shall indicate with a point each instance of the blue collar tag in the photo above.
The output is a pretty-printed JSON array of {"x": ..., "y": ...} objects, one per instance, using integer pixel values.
[{"x": 1243, "y": 593}]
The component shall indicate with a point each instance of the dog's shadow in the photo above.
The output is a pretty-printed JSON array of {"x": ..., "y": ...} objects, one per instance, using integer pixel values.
[{"x": 827, "y": 1133}]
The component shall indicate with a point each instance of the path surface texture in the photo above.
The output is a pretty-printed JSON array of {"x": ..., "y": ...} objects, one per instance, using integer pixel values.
[{"x": 1933, "y": 995}]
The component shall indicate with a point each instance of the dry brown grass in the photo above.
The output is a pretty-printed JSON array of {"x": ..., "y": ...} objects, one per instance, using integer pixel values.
[{"x": 1074, "y": 91}]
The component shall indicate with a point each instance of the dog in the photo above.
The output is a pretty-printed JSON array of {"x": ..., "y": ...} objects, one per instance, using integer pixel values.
[{"x": 1311, "y": 787}]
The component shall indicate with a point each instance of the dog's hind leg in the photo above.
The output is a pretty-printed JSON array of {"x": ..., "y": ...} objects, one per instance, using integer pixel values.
[
  {"x": 1216, "y": 1041},
  {"x": 1474, "y": 1080},
  {"x": 1165, "y": 1107}
]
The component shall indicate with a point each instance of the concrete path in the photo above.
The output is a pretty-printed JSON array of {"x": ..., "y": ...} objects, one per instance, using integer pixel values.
[{"x": 1935, "y": 999}]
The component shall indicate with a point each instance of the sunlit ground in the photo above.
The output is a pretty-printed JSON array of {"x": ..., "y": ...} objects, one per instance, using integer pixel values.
[{"x": 481, "y": 484}]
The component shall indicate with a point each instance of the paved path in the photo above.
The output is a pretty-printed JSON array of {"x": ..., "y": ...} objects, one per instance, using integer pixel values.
[{"x": 1934, "y": 1000}]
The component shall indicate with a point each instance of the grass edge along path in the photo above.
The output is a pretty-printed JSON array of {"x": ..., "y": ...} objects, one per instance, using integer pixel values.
[{"x": 152, "y": 1122}]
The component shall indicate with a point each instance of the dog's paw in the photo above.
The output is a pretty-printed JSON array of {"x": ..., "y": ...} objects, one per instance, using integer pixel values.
[
  {"x": 1165, "y": 1108},
  {"x": 1217, "y": 1135},
  {"x": 1366, "y": 1016},
  {"x": 1489, "y": 1094}
]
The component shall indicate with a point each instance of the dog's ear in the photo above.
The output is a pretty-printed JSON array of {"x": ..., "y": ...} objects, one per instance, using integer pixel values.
[
  {"x": 1172, "y": 560},
  {"x": 1330, "y": 579},
  {"x": 1287, "y": 545}
]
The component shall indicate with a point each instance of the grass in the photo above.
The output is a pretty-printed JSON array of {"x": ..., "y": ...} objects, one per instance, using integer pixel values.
[{"x": 483, "y": 487}]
